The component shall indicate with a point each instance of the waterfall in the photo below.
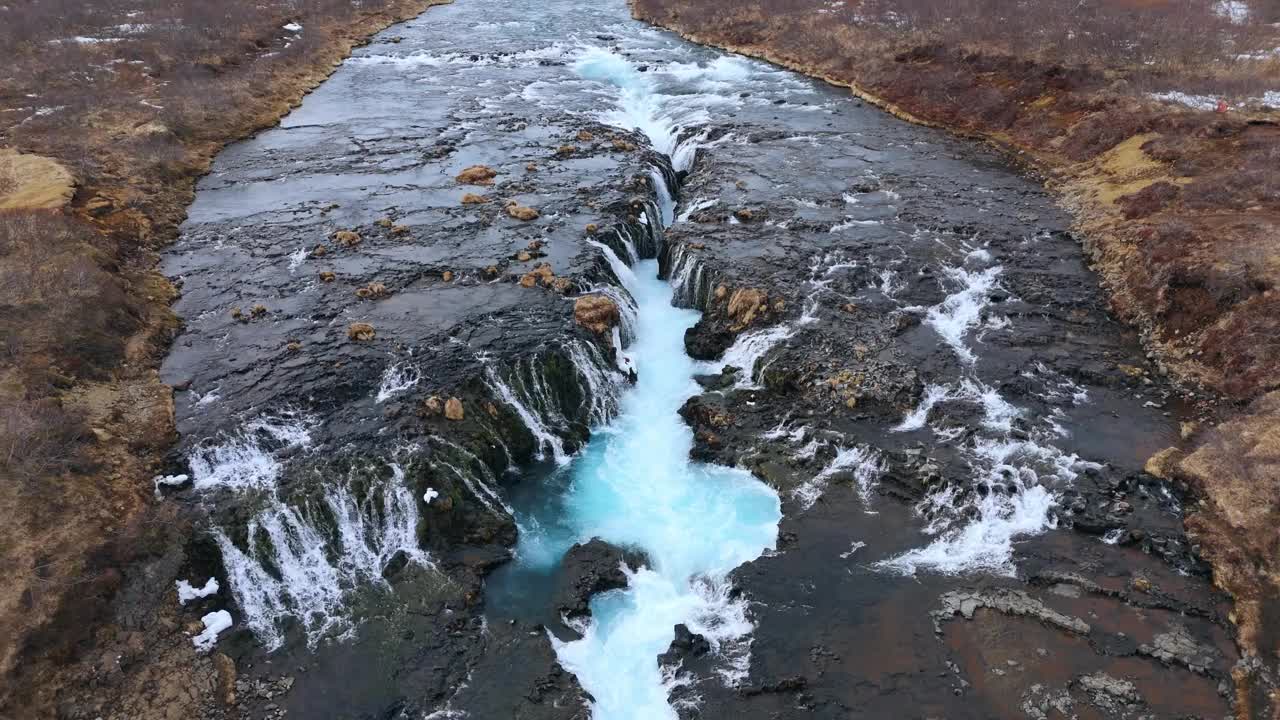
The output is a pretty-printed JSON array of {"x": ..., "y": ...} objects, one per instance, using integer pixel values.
[
  {"x": 300, "y": 563},
  {"x": 532, "y": 420},
  {"x": 544, "y": 411}
]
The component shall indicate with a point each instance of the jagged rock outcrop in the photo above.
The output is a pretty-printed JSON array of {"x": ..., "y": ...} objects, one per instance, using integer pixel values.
[{"x": 591, "y": 568}]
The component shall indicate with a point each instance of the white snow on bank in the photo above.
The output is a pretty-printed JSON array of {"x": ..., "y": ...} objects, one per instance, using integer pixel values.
[
  {"x": 429, "y": 495},
  {"x": 214, "y": 623},
  {"x": 1237, "y": 11},
  {"x": 1209, "y": 102},
  {"x": 292, "y": 27},
  {"x": 169, "y": 481},
  {"x": 1197, "y": 102},
  {"x": 187, "y": 593}
]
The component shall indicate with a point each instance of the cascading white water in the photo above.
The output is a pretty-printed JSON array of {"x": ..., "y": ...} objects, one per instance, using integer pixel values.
[
  {"x": 635, "y": 486},
  {"x": 1016, "y": 479},
  {"x": 313, "y": 569}
]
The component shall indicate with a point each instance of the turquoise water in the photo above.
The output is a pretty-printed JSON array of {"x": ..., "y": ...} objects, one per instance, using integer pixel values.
[{"x": 635, "y": 485}]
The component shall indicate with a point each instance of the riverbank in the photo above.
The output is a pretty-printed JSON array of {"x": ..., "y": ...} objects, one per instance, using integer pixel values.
[
  {"x": 107, "y": 121},
  {"x": 1177, "y": 209}
]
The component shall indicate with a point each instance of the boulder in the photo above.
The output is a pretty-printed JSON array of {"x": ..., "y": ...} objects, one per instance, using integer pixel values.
[
  {"x": 521, "y": 212},
  {"x": 589, "y": 569},
  {"x": 685, "y": 645},
  {"x": 361, "y": 332},
  {"x": 596, "y": 313},
  {"x": 453, "y": 409},
  {"x": 347, "y": 238},
  {"x": 477, "y": 175}
]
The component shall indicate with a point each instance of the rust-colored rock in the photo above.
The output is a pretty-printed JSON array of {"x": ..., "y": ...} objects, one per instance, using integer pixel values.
[
  {"x": 327, "y": 276},
  {"x": 319, "y": 251},
  {"x": 521, "y": 212},
  {"x": 592, "y": 228},
  {"x": 347, "y": 238},
  {"x": 585, "y": 136},
  {"x": 540, "y": 274},
  {"x": 524, "y": 256},
  {"x": 385, "y": 223},
  {"x": 433, "y": 406},
  {"x": 453, "y": 409},
  {"x": 474, "y": 199},
  {"x": 477, "y": 175},
  {"x": 447, "y": 276},
  {"x": 562, "y": 285},
  {"x": 371, "y": 291},
  {"x": 400, "y": 230},
  {"x": 596, "y": 313},
  {"x": 361, "y": 332},
  {"x": 566, "y": 150}
]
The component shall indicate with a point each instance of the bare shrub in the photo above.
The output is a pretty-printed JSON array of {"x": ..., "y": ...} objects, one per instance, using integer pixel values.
[{"x": 39, "y": 438}]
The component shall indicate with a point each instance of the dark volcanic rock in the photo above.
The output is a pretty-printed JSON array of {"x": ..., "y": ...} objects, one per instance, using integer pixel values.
[
  {"x": 708, "y": 339},
  {"x": 589, "y": 569},
  {"x": 686, "y": 644}
]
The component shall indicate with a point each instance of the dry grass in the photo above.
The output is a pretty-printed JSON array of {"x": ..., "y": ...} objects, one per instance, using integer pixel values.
[{"x": 1187, "y": 45}]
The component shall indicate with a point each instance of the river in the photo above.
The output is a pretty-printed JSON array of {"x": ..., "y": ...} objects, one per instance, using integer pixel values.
[{"x": 905, "y": 396}]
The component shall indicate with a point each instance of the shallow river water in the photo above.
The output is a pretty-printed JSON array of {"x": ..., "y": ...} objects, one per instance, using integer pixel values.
[{"x": 932, "y": 400}]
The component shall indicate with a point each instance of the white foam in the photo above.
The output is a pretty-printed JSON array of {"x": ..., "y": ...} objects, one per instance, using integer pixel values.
[
  {"x": 397, "y": 378},
  {"x": 865, "y": 465},
  {"x": 169, "y": 481},
  {"x": 960, "y": 311},
  {"x": 297, "y": 257},
  {"x": 697, "y": 205},
  {"x": 854, "y": 547},
  {"x": 246, "y": 460}
]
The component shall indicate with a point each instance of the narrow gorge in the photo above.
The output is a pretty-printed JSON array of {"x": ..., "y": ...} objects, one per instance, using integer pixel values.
[{"x": 543, "y": 364}]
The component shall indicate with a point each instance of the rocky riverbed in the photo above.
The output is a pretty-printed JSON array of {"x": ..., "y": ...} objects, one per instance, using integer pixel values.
[{"x": 410, "y": 314}]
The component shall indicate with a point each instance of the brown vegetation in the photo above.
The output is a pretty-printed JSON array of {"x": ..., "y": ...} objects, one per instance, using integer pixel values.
[
  {"x": 596, "y": 313},
  {"x": 477, "y": 175},
  {"x": 106, "y": 120},
  {"x": 1179, "y": 208},
  {"x": 521, "y": 212}
]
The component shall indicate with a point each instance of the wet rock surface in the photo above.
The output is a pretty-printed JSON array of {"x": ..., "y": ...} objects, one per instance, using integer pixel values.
[
  {"x": 899, "y": 337},
  {"x": 591, "y": 568}
]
